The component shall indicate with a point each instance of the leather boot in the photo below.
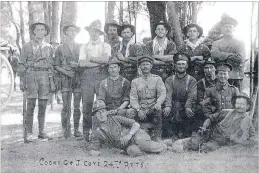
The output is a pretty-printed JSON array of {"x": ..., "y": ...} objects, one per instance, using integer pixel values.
[
  {"x": 76, "y": 117},
  {"x": 30, "y": 110},
  {"x": 41, "y": 119}
]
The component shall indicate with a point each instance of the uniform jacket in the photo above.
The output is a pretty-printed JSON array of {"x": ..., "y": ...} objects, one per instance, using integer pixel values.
[
  {"x": 114, "y": 93},
  {"x": 218, "y": 98},
  {"x": 221, "y": 49},
  {"x": 170, "y": 49},
  {"x": 181, "y": 93},
  {"x": 201, "y": 86},
  {"x": 146, "y": 92}
]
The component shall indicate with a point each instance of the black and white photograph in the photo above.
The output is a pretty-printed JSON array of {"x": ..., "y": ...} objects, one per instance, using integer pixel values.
[{"x": 129, "y": 86}]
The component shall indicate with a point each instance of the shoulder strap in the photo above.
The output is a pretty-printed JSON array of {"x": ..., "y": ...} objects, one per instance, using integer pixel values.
[
  {"x": 203, "y": 81},
  {"x": 123, "y": 80},
  {"x": 106, "y": 84},
  {"x": 187, "y": 82}
]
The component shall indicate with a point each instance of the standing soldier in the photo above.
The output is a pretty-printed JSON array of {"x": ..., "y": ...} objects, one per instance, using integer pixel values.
[
  {"x": 37, "y": 72},
  {"x": 181, "y": 97},
  {"x": 93, "y": 57},
  {"x": 128, "y": 51},
  {"x": 66, "y": 63},
  {"x": 196, "y": 49},
  {"x": 114, "y": 90},
  {"x": 146, "y": 97},
  {"x": 112, "y": 29},
  {"x": 218, "y": 96},
  {"x": 162, "y": 50},
  {"x": 230, "y": 50}
]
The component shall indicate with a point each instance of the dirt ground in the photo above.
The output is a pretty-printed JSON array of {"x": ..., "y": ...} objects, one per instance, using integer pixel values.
[{"x": 60, "y": 155}]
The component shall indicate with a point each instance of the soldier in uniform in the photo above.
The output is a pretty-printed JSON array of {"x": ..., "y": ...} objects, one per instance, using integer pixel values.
[
  {"x": 229, "y": 126},
  {"x": 229, "y": 49},
  {"x": 128, "y": 51},
  {"x": 115, "y": 89},
  {"x": 36, "y": 71},
  {"x": 146, "y": 97},
  {"x": 122, "y": 133},
  {"x": 181, "y": 97},
  {"x": 93, "y": 57},
  {"x": 112, "y": 29},
  {"x": 218, "y": 96},
  {"x": 162, "y": 50},
  {"x": 208, "y": 80},
  {"x": 66, "y": 63},
  {"x": 195, "y": 48}
]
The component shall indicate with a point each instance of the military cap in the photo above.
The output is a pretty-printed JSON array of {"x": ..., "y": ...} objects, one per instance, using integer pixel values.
[
  {"x": 166, "y": 25},
  {"x": 98, "y": 105},
  {"x": 127, "y": 25},
  {"x": 245, "y": 96},
  {"x": 112, "y": 23},
  {"x": 114, "y": 60},
  {"x": 146, "y": 57},
  {"x": 181, "y": 56},
  {"x": 209, "y": 61},
  {"x": 32, "y": 27},
  {"x": 95, "y": 25},
  {"x": 226, "y": 19},
  {"x": 199, "y": 28},
  {"x": 224, "y": 67},
  {"x": 78, "y": 29}
]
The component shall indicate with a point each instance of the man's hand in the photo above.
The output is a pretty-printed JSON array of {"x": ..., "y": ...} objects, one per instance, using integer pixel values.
[
  {"x": 74, "y": 64},
  {"x": 119, "y": 56},
  {"x": 167, "y": 111},
  {"x": 141, "y": 115},
  {"x": 113, "y": 112},
  {"x": 202, "y": 130},
  {"x": 157, "y": 107},
  {"x": 189, "y": 112},
  {"x": 70, "y": 73},
  {"x": 125, "y": 139}
]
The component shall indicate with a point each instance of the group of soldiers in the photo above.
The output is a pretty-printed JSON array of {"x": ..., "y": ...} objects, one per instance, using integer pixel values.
[{"x": 144, "y": 92}]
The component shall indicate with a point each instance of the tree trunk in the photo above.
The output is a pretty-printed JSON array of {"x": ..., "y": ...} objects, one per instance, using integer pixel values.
[
  {"x": 21, "y": 23},
  {"x": 56, "y": 15},
  {"x": 194, "y": 12},
  {"x": 110, "y": 14},
  {"x": 31, "y": 19},
  {"x": 174, "y": 22},
  {"x": 46, "y": 17},
  {"x": 156, "y": 13},
  {"x": 69, "y": 15},
  {"x": 121, "y": 13}
]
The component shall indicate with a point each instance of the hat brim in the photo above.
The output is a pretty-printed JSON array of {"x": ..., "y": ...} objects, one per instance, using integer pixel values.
[
  {"x": 199, "y": 28},
  {"x": 249, "y": 101},
  {"x": 133, "y": 29},
  {"x": 106, "y": 27},
  {"x": 32, "y": 27},
  {"x": 175, "y": 58},
  {"x": 89, "y": 28},
  {"x": 230, "y": 67},
  {"x": 78, "y": 29}
]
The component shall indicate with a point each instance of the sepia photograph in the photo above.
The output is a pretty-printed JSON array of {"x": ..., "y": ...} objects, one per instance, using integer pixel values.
[{"x": 129, "y": 86}]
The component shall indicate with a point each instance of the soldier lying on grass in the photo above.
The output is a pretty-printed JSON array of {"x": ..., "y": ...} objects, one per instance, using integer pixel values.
[{"x": 121, "y": 132}]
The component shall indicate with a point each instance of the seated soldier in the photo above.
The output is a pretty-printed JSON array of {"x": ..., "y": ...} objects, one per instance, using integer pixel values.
[
  {"x": 147, "y": 94},
  {"x": 115, "y": 89},
  {"x": 229, "y": 126},
  {"x": 120, "y": 132}
]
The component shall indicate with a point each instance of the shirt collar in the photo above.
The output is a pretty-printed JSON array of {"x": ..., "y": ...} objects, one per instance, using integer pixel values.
[
  {"x": 219, "y": 86},
  {"x": 95, "y": 42}
]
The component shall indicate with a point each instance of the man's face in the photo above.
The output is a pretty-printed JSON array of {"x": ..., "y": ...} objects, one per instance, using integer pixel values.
[
  {"x": 223, "y": 76},
  {"x": 146, "y": 67},
  {"x": 227, "y": 29},
  {"x": 209, "y": 70},
  {"x": 112, "y": 31},
  {"x": 193, "y": 33},
  {"x": 71, "y": 33},
  {"x": 94, "y": 34},
  {"x": 40, "y": 31},
  {"x": 101, "y": 115},
  {"x": 161, "y": 31},
  {"x": 126, "y": 34},
  {"x": 241, "y": 105},
  {"x": 181, "y": 66},
  {"x": 114, "y": 70}
]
